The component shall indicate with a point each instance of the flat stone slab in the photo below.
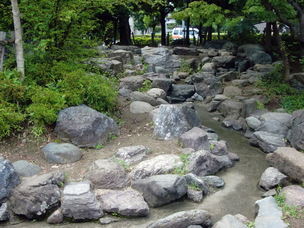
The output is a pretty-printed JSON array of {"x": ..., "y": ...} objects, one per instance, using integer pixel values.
[
  {"x": 288, "y": 161},
  {"x": 126, "y": 203}
]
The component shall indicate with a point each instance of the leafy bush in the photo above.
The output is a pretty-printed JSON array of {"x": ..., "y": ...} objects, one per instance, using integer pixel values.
[
  {"x": 143, "y": 41},
  {"x": 10, "y": 119},
  {"x": 45, "y": 105},
  {"x": 293, "y": 102},
  {"x": 94, "y": 90}
]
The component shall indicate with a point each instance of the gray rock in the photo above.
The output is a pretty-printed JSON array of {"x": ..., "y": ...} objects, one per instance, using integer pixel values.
[
  {"x": 204, "y": 163},
  {"x": 229, "y": 221},
  {"x": 232, "y": 91},
  {"x": 219, "y": 147},
  {"x": 159, "y": 190},
  {"x": 108, "y": 65},
  {"x": 132, "y": 83},
  {"x": 226, "y": 61},
  {"x": 61, "y": 153},
  {"x": 108, "y": 220},
  {"x": 125, "y": 93},
  {"x": 213, "y": 105},
  {"x": 249, "y": 107},
  {"x": 231, "y": 107},
  {"x": 84, "y": 126},
  {"x": 248, "y": 50},
  {"x": 200, "y": 183},
  {"x": 214, "y": 181},
  {"x": 185, "y": 51},
  {"x": 209, "y": 86},
  {"x": 294, "y": 195},
  {"x": 196, "y": 138},
  {"x": 209, "y": 67},
  {"x": 162, "y": 83},
  {"x": 55, "y": 218},
  {"x": 288, "y": 161},
  {"x": 184, "y": 219},
  {"x": 267, "y": 142},
  {"x": 157, "y": 93},
  {"x": 228, "y": 76},
  {"x": 9, "y": 179},
  {"x": 131, "y": 154},
  {"x": 275, "y": 122},
  {"x": 37, "y": 195},
  {"x": 271, "y": 178},
  {"x": 79, "y": 202},
  {"x": 106, "y": 174},
  {"x": 4, "y": 213},
  {"x": 253, "y": 122},
  {"x": 160, "y": 164},
  {"x": 25, "y": 168},
  {"x": 268, "y": 214},
  {"x": 125, "y": 203},
  {"x": 263, "y": 67},
  {"x": 172, "y": 121},
  {"x": 139, "y": 96},
  {"x": 139, "y": 107},
  {"x": 260, "y": 57},
  {"x": 194, "y": 194},
  {"x": 180, "y": 93},
  {"x": 296, "y": 133},
  {"x": 122, "y": 55}
]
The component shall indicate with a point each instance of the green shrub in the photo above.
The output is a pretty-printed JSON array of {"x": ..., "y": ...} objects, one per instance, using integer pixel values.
[
  {"x": 94, "y": 90},
  {"x": 293, "y": 102},
  {"x": 45, "y": 105},
  {"x": 146, "y": 40},
  {"x": 10, "y": 119}
]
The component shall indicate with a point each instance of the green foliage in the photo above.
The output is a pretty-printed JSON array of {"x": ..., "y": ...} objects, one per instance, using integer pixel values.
[
  {"x": 260, "y": 105},
  {"x": 122, "y": 163},
  {"x": 250, "y": 225},
  {"x": 146, "y": 40},
  {"x": 98, "y": 147},
  {"x": 93, "y": 90},
  {"x": 194, "y": 186},
  {"x": 289, "y": 211},
  {"x": 45, "y": 105},
  {"x": 293, "y": 102},
  {"x": 145, "y": 86},
  {"x": 186, "y": 67},
  {"x": 182, "y": 170},
  {"x": 10, "y": 118}
]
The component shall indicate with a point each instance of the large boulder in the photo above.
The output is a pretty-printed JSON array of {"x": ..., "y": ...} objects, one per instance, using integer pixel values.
[
  {"x": 37, "y": 196},
  {"x": 296, "y": 133},
  {"x": 229, "y": 221},
  {"x": 226, "y": 61},
  {"x": 139, "y": 96},
  {"x": 131, "y": 154},
  {"x": 79, "y": 202},
  {"x": 267, "y": 142},
  {"x": 294, "y": 195},
  {"x": 106, "y": 174},
  {"x": 61, "y": 153},
  {"x": 209, "y": 86},
  {"x": 271, "y": 178},
  {"x": 85, "y": 127},
  {"x": 180, "y": 93},
  {"x": 125, "y": 203},
  {"x": 269, "y": 214},
  {"x": 122, "y": 56},
  {"x": 171, "y": 121},
  {"x": 185, "y": 51},
  {"x": 254, "y": 53},
  {"x": 184, "y": 219},
  {"x": 159, "y": 190},
  {"x": 25, "y": 168},
  {"x": 204, "y": 163},
  {"x": 160, "y": 164},
  {"x": 133, "y": 82},
  {"x": 196, "y": 138},
  {"x": 230, "y": 107},
  {"x": 139, "y": 107},
  {"x": 288, "y": 161},
  {"x": 9, "y": 179}
]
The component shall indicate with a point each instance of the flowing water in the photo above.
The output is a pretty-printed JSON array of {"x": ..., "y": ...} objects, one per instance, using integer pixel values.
[{"x": 236, "y": 197}]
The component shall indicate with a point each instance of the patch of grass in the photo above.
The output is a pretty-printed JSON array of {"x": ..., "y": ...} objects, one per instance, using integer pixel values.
[
  {"x": 122, "y": 163},
  {"x": 194, "y": 186},
  {"x": 145, "y": 86},
  {"x": 182, "y": 170},
  {"x": 288, "y": 211},
  {"x": 98, "y": 147}
]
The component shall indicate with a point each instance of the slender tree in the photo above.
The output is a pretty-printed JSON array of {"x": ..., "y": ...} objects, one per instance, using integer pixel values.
[{"x": 18, "y": 37}]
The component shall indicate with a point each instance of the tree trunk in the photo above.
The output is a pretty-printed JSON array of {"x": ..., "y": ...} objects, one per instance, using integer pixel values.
[
  {"x": 18, "y": 37},
  {"x": 301, "y": 38},
  {"x": 2, "y": 50},
  {"x": 187, "y": 38},
  {"x": 200, "y": 33},
  {"x": 209, "y": 33},
  {"x": 163, "y": 25},
  {"x": 124, "y": 30},
  {"x": 286, "y": 66},
  {"x": 268, "y": 36}
]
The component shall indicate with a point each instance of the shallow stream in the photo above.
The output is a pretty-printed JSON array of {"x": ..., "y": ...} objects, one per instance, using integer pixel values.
[{"x": 236, "y": 197}]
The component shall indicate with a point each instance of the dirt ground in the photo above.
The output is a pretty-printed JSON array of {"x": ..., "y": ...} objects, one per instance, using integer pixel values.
[{"x": 134, "y": 130}]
